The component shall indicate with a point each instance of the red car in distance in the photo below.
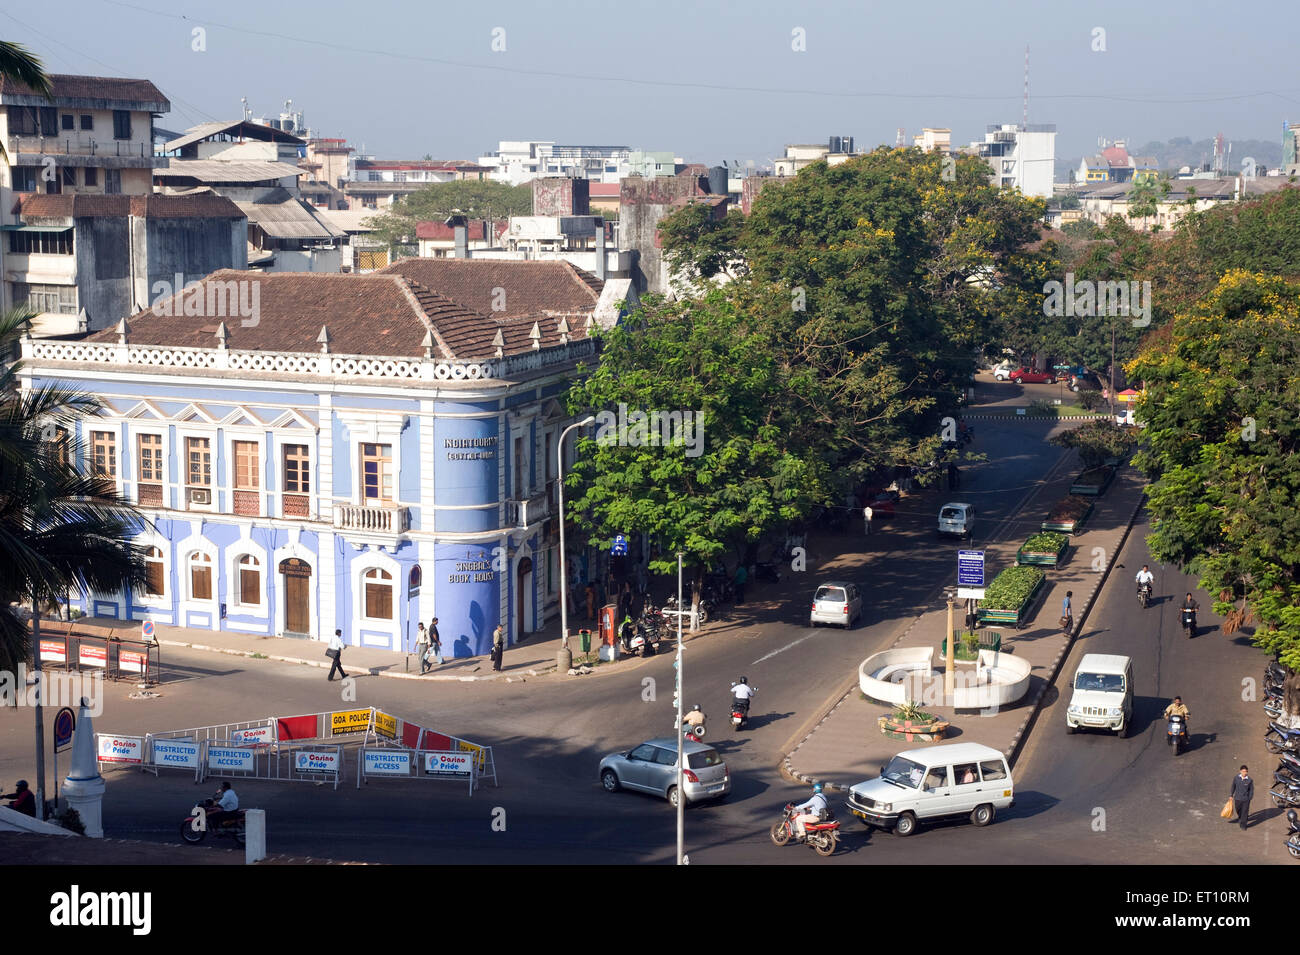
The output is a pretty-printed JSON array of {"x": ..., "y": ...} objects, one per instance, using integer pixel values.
[{"x": 1023, "y": 375}]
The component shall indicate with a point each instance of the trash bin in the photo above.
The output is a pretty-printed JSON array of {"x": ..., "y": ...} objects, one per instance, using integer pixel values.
[{"x": 586, "y": 640}]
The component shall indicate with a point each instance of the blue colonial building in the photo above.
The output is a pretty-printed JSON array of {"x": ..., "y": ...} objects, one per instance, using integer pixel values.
[{"x": 360, "y": 452}]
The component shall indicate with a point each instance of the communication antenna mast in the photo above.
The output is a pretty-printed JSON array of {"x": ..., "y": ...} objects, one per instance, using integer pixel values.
[
  {"x": 898, "y": 139},
  {"x": 1024, "y": 120}
]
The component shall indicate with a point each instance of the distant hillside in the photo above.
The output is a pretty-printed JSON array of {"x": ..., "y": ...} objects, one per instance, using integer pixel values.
[{"x": 1182, "y": 151}]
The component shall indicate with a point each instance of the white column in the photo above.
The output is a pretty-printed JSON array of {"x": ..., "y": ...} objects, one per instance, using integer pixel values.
[
  {"x": 428, "y": 520},
  {"x": 84, "y": 786},
  {"x": 327, "y": 571}
]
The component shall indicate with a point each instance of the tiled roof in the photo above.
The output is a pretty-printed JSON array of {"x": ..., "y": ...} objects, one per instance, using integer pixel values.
[
  {"x": 375, "y": 314},
  {"x": 68, "y": 86},
  {"x": 506, "y": 289},
  {"x": 157, "y": 206},
  {"x": 475, "y": 229}
]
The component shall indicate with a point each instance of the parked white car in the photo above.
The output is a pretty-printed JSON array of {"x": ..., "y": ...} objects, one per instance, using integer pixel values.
[
  {"x": 951, "y": 779},
  {"x": 957, "y": 519}
]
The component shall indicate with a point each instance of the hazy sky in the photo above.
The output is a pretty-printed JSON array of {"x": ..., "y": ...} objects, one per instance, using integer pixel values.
[{"x": 710, "y": 80}]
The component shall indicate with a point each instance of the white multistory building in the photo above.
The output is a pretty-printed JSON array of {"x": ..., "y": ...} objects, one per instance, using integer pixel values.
[{"x": 1021, "y": 156}]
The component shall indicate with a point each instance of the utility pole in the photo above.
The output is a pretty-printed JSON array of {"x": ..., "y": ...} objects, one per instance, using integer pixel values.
[
  {"x": 1112, "y": 368},
  {"x": 681, "y": 796}
]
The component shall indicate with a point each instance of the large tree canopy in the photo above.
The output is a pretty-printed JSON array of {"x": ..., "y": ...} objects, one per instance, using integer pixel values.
[
  {"x": 1222, "y": 450},
  {"x": 473, "y": 197}
]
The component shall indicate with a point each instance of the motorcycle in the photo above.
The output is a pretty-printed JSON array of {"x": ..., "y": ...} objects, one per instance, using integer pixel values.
[
  {"x": 1275, "y": 673},
  {"x": 822, "y": 836},
  {"x": 1176, "y": 733},
  {"x": 740, "y": 710},
  {"x": 195, "y": 827},
  {"x": 1144, "y": 595},
  {"x": 1286, "y": 791},
  {"x": 706, "y": 609},
  {"x": 767, "y": 571},
  {"x": 1279, "y": 739},
  {"x": 1293, "y": 834},
  {"x": 1289, "y": 763},
  {"x": 696, "y": 733},
  {"x": 1189, "y": 622},
  {"x": 1273, "y": 708}
]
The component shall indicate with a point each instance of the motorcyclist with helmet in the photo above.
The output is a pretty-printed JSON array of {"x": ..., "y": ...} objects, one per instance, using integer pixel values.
[
  {"x": 813, "y": 810},
  {"x": 695, "y": 718},
  {"x": 21, "y": 799}
]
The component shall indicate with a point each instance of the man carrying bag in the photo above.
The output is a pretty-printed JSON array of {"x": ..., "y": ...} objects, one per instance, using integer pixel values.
[{"x": 335, "y": 651}]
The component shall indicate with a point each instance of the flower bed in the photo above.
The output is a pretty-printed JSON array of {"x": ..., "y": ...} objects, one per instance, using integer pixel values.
[
  {"x": 929, "y": 729},
  {"x": 967, "y": 650},
  {"x": 1068, "y": 514},
  {"x": 1094, "y": 481},
  {"x": 1010, "y": 595},
  {"x": 1044, "y": 549}
]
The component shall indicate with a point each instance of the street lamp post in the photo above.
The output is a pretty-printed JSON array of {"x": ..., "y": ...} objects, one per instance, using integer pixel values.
[
  {"x": 950, "y": 657},
  {"x": 564, "y": 656}
]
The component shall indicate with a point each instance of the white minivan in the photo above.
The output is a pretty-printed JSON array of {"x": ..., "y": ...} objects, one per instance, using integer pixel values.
[
  {"x": 951, "y": 779},
  {"x": 957, "y": 519},
  {"x": 1103, "y": 694}
]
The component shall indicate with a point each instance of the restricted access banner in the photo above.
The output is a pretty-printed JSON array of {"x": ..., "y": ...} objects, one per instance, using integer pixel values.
[
  {"x": 121, "y": 749},
  {"x": 181, "y": 753},
  {"x": 449, "y": 764},
  {"x": 349, "y": 721},
  {"x": 231, "y": 758},
  {"x": 386, "y": 762}
]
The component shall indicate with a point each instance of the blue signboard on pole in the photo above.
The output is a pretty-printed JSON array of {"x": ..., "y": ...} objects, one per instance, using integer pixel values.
[
  {"x": 619, "y": 548},
  {"x": 970, "y": 568}
]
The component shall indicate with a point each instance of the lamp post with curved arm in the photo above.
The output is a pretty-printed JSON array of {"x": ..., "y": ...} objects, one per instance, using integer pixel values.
[{"x": 564, "y": 657}]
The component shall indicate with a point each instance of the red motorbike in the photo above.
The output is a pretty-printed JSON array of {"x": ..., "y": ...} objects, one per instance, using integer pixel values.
[
  {"x": 822, "y": 836},
  {"x": 195, "y": 827}
]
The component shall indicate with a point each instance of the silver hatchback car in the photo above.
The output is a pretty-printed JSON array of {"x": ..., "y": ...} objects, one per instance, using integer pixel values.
[
  {"x": 838, "y": 602},
  {"x": 652, "y": 768}
]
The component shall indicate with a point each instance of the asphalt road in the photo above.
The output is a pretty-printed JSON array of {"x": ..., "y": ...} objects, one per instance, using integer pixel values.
[{"x": 549, "y": 733}]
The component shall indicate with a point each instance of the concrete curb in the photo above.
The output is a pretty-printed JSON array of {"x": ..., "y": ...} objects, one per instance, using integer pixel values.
[{"x": 1034, "y": 417}]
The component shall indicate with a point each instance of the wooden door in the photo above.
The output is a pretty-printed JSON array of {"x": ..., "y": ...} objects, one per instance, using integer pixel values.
[{"x": 297, "y": 595}]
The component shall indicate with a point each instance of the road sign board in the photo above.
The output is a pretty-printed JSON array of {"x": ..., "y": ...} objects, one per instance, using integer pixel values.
[
  {"x": 970, "y": 593},
  {"x": 619, "y": 547},
  {"x": 146, "y": 631},
  {"x": 64, "y": 723},
  {"x": 970, "y": 568}
]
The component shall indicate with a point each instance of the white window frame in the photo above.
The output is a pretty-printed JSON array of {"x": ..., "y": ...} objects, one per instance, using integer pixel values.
[
  {"x": 187, "y": 578},
  {"x": 183, "y": 468},
  {"x": 363, "y": 428},
  {"x": 364, "y": 581},
  {"x": 230, "y": 436},
  {"x": 298, "y": 438},
  {"x": 244, "y": 547},
  {"x": 161, "y": 430},
  {"x": 140, "y": 594},
  {"x": 360, "y": 564}
]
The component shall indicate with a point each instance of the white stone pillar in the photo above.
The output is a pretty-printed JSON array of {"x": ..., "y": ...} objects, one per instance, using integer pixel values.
[{"x": 84, "y": 786}]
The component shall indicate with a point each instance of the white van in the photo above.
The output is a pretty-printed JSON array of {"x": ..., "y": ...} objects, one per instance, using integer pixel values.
[
  {"x": 957, "y": 519},
  {"x": 951, "y": 779},
  {"x": 1103, "y": 693}
]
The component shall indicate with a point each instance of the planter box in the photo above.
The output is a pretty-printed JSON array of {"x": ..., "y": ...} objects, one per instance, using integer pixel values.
[
  {"x": 1067, "y": 526},
  {"x": 929, "y": 731},
  {"x": 1014, "y": 617},
  {"x": 1082, "y": 484},
  {"x": 1040, "y": 558}
]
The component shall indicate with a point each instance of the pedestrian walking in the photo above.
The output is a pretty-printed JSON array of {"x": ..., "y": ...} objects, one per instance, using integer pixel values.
[
  {"x": 867, "y": 514},
  {"x": 336, "y": 651},
  {"x": 498, "y": 646},
  {"x": 435, "y": 644},
  {"x": 422, "y": 649},
  {"x": 954, "y": 477},
  {"x": 1067, "y": 612},
  {"x": 741, "y": 578},
  {"x": 1243, "y": 790}
]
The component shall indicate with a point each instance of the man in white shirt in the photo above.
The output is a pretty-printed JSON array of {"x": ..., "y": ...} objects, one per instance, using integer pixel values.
[
  {"x": 1144, "y": 576},
  {"x": 336, "y": 651},
  {"x": 810, "y": 811},
  {"x": 228, "y": 803}
]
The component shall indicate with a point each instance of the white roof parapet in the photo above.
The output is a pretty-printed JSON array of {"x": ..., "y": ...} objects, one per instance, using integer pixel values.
[{"x": 408, "y": 369}]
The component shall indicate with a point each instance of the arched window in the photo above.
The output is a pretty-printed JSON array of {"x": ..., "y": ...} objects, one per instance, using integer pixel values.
[
  {"x": 155, "y": 584},
  {"x": 249, "y": 575},
  {"x": 200, "y": 576},
  {"x": 378, "y": 594}
]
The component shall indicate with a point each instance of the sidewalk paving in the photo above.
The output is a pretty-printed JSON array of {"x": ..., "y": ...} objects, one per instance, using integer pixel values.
[{"x": 846, "y": 746}]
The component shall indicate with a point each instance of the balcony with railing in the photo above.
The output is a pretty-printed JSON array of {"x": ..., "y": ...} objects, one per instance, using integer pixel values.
[
  {"x": 28, "y": 150},
  {"x": 385, "y": 519},
  {"x": 522, "y": 512}
]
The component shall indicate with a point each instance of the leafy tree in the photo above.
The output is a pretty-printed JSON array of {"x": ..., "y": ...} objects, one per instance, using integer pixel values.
[
  {"x": 1222, "y": 407},
  {"x": 1142, "y": 200},
  {"x": 735, "y": 477},
  {"x": 476, "y": 198},
  {"x": 17, "y": 63},
  {"x": 1096, "y": 441},
  {"x": 699, "y": 246},
  {"x": 60, "y": 529}
]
